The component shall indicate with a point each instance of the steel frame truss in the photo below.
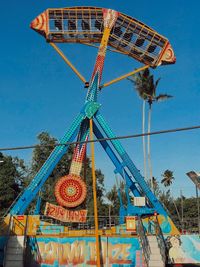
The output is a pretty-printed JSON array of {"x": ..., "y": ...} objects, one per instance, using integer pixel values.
[{"x": 124, "y": 166}]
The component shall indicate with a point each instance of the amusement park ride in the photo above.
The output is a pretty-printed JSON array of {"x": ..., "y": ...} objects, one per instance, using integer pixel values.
[
  {"x": 123, "y": 34},
  {"x": 119, "y": 33},
  {"x": 88, "y": 25},
  {"x": 140, "y": 237}
]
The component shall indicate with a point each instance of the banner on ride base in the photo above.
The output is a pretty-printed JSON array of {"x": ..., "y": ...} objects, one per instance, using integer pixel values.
[{"x": 64, "y": 215}]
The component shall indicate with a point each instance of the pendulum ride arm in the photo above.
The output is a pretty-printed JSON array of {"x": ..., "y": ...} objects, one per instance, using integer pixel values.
[
  {"x": 109, "y": 19},
  {"x": 89, "y": 109},
  {"x": 91, "y": 106}
]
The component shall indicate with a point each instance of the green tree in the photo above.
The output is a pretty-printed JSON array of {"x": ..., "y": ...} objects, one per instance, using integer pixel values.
[
  {"x": 168, "y": 178},
  {"x": 12, "y": 177},
  {"x": 165, "y": 199},
  {"x": 140, "y": 83},
  {"x": 156, "y": 188},
  {"x": 41, "y": 153},
  {"x": 89, "y": 204},
  {"x": 146, "y": 88},
  {"x": 190, "y": 222},
  {"x": 113, "y": 197}
]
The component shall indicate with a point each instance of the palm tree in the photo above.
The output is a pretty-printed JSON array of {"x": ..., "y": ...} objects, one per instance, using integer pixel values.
[
  {"x": 140, "y": 82},
  {"x": 167, "y": 181},
  {"x": 117, "y": 197},
  {"x": 167, "y": 178},
  {"x": 155, "y": 185},
  {"x": 146, "y": 88}
]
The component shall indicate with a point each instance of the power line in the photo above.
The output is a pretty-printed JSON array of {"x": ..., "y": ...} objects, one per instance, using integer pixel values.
[{"x": 103, "y": 139}]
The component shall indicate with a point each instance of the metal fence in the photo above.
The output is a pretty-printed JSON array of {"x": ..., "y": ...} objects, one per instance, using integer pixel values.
[{"x": 187, "y": 225}]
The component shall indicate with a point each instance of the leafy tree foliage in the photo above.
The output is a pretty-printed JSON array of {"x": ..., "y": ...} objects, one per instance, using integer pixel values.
[
  {"x": 155, "y": 186},
  {"x": 113, "y": 197},
  {"x": 14, "y": 173},
  {"x": 12, "y": 177},
  {"x": 146, "y": 87},
  {"x": 167, "y": 178},
  {"x": 165, "y": 198},
  {"x": 41, "y": 153},
  {"x": 89, "y": 204}
]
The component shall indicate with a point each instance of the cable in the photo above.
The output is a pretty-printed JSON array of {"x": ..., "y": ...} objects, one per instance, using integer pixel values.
[{"x": 103, "y": 139}]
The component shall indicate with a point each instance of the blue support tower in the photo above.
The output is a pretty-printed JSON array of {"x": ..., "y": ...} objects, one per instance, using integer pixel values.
[{"x": 123, "y": 164}]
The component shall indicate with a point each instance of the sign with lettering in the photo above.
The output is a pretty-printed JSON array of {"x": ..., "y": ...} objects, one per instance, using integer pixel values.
[
  {"x": 64, "y": 215},
  {"x": 130, "y": 223},
  {"x": 81, "y": 251}
]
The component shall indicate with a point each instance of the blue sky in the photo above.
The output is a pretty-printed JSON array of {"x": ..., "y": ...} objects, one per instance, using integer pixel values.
[{"x": 39, "y": 93}]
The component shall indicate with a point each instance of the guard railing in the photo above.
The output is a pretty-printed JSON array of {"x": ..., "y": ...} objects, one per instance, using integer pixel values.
[{"x": 141, "y": 231}]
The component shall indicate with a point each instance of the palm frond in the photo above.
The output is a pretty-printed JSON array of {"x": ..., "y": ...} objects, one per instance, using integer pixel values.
[
  {"x": 145, "y": 73},
  {"x": 157, "y": 82},
  {"x": 146, "y": 87},
  {"x": 162, "y": 97},
  {"x": 131, "y": 79}
]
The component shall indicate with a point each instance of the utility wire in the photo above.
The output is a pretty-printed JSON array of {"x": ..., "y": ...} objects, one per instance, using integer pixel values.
[{"x": 103, "y": 139}]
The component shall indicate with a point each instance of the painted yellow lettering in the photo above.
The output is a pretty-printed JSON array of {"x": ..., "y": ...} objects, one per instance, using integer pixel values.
[
  {"x": 117, "y": 251},
  {"x": 92, "y": 254},
  {"x": 104, "y": 250},
  {"x": 125, "y": 251}
]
